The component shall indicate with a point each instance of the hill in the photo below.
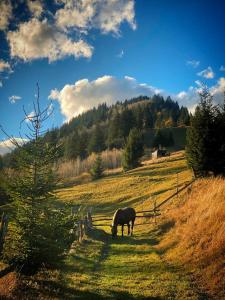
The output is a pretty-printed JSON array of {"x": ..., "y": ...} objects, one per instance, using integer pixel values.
[
  {"x": 198, "y": 237},
  {"x": 142, "y": 266},
  {"x": 107, "y": 127}
]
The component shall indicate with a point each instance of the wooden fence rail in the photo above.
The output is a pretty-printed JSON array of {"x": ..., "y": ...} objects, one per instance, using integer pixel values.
[{"x": 175, "y": 194}]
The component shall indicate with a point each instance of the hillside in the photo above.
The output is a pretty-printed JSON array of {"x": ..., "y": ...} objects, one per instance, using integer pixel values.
[
  {"x": 107, "y": 127},
  {"x": 142, "y": 266},
  {"x": 198, "y": 237}
]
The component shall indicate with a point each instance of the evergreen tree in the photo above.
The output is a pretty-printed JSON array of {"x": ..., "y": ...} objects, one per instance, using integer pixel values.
[
  {"x": 133, "y": 151},
  {"x": 1, "y": 163},
  {"x": 115, "y": 137},
  {"x": 202, "y": 136},
  {"x": 97, "y": 143},
  {"x": 127, "y": 121},
  {"x": 83, "y": 144},
  {"x": 37, "y": 231},
  {"x": 71, "y": 146},
  {"x": 97, "y": 169}
]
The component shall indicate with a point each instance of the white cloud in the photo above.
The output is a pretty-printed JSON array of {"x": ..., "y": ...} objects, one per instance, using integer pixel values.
[
  {"x": 30, "y": 116},
  {"x": 84, "y": 94},
  {"x": 222, "y": 68},
  {"x": 14, "y": 98},
  {"x": 106, "y": 15},
  {"x": 193, "y": 63},
  {"x": 6, "y": 14},
  {"x": 190, "y": 98},
  {"x": 35, "y": 7},
  {"x": 207, "y": 73},
  {"x": 38, "y": 39},
  {"x": 121, "y": 54},
  {"x": 4, "y": 66},
  {"x": 218, "y": 91},
  {"x": 1, "y": 84},
  {"x": 7, "y": 146}
]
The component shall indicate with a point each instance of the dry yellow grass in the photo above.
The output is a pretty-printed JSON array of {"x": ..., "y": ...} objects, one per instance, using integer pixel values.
[
  {"x": 111, "y": 159},
  {"x": 199, "y": 234}
]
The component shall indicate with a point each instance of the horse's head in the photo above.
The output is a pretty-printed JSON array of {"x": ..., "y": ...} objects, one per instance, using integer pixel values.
[{"x": 114, "y": 231}]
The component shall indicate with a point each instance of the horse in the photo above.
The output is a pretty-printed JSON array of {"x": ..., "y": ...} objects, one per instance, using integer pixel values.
[{"x": 123, "y": 216}]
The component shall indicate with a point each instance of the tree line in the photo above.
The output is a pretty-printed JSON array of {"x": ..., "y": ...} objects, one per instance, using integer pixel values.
[{"x": 108, "y": 127}]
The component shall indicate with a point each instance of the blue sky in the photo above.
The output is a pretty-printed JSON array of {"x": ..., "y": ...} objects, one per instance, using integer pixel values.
[{"x": 106, "y": 53}]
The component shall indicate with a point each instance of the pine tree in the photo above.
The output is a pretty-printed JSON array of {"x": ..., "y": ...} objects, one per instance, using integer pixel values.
[
  {"x": 97, "y": 143},
  {"x": 97, "y": 169},
  {"x": 202, "y": 136},
  {"x": 133, "y": 151},
  {"x": 37, "y": 231}
]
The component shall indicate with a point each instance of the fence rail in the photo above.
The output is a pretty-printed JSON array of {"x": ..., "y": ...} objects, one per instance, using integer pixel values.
[{"x": 84, "y": 223}]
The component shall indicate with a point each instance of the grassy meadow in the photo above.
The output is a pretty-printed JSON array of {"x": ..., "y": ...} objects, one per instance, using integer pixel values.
[{"x": 134, "y": 267}]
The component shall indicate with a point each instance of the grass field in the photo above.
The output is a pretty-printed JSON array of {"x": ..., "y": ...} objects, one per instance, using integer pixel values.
[
  {"x": 128, "y": 268},
  {"x": 124, "y": 268}
]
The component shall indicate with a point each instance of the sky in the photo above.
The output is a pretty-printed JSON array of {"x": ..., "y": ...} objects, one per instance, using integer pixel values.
[{"x": 85, "y": 52}]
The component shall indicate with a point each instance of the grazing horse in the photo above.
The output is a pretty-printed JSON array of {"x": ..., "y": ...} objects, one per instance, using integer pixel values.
[{"x": 123, "y": 216}]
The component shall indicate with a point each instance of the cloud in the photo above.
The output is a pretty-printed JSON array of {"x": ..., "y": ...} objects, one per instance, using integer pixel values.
[
  {"x": 106, "y": 16},
  {"x": 190, "y": 98},
  {"x": 218, "y": 91},
  {"x": 193, "y": 63},
  {"x": 60, "y": 34},
  {"x": 7, "y": 146},
  {"x": 207, "y": 73},
  {"x": 38, "y": 39},
  {"x": 30, "y": 116},
  {"x": 84, "y": 94},
  {"x": 121, "y": 54},
  {"x": 35, "y": 7},
  {"x": 4, "y": 66},
  {"x": 1, "y": 84},
  {"x": 222, "y": 68},
  {"x": 14, "y": 98},
  {"x": 6, "y": 14}
]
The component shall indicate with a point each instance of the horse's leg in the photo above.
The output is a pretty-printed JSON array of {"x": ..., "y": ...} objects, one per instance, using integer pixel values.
[
  {"x": 132, "y": 226},
  {"x": 122, "y": 229},
  {"x": 128, "y": 226}
]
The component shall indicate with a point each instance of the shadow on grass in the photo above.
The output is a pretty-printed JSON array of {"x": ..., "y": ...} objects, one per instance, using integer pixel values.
[{"x": 56, "y": 290}]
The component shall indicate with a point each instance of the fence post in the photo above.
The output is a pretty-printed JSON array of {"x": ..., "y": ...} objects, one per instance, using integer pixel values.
[
  {"x": 89, "y": 219},
  {"x": 81, "y": 233},
  {"x": 3, "y": 230},
  {"x": 155, "y": 208}
]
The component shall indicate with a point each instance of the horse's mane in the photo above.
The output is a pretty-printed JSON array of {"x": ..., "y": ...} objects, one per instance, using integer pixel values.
[{"x": 115, "y": 216}]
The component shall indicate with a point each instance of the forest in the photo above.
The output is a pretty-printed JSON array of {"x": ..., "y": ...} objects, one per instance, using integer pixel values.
[{"x": 107, "y": 127}]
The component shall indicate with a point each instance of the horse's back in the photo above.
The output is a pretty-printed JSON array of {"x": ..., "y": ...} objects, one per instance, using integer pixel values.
[
  {"x": 130, "y": 211},
  {"x": 124, "y": 215}
]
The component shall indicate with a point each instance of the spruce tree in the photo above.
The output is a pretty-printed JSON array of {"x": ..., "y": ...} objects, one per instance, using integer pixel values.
[
  {"x": 202, "y": 136},
  {"x": 97, "y": 169},
  {"x": 97, "y": 143},
  {"x": 133, "y": 151},
  {"x": 37, "y": 231}
]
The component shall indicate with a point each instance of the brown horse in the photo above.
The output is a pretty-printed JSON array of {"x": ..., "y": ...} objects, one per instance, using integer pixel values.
[{"x": 121, "y": 217}]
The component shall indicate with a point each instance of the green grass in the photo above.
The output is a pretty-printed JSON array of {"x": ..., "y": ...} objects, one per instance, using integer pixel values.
[{"x": 122, "y": 268}]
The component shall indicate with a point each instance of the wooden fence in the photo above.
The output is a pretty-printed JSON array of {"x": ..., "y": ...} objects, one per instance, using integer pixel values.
[
  {"x": 151, "y": 213},
  {"x": 81, "y": 225}
]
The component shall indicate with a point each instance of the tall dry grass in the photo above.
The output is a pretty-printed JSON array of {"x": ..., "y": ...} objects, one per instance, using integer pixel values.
[
  {"x": 111, "y": 160},
  {"x": 199, "y": 234}
]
